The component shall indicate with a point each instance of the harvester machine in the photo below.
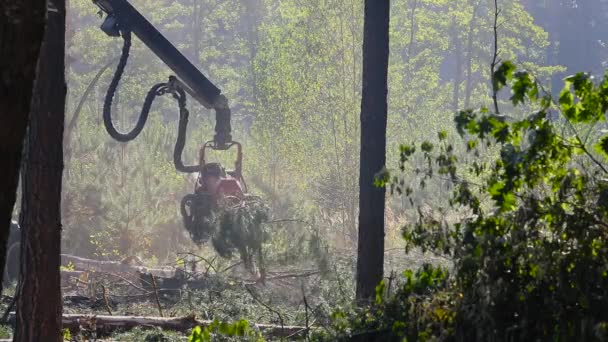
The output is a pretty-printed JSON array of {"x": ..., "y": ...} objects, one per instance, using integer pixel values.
[{"x": 216, "y": 187}]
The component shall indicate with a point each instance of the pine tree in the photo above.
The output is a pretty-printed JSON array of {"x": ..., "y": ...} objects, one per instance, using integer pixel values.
[{"x": 370, "y": 259}]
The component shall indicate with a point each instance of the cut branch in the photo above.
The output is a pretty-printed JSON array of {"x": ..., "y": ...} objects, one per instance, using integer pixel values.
[
  {"x": 255, "y": 297},
  {"x": 160, "y": 308}
]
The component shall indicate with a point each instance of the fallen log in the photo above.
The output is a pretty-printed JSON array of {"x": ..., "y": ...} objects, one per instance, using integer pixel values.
[
  {"x": 107, "y": 324},
  {"x": 84, "y": 264},
  {"x": 82, "y": 270}
]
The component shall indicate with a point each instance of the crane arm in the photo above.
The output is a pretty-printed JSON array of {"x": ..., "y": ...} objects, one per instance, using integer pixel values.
[{"x": 121, "y": 16}]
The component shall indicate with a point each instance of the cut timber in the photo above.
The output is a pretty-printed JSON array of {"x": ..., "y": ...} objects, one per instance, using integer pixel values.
[
  {"x": 107, "y": 324},
  {"x": 115, "y": 266}
]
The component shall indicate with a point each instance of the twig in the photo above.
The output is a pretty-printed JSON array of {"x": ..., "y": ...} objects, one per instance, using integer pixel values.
[
  {"x": 267, "y": 307},
  {"x": 585, "y": 150},
  {"x": 303, "y": 275},
  {"x": 105, "y": 299},
  {"x": 289, "y": 220},
  {"x": 209, "y": 263},
  {"x": 298, "y": 333},
  {"x": 134, "y": 296},
  {"x": 72, "y": 123},
  {"x": 582, "y": 145},
  {"x": 289, "y": 271},
  {"x": 127, "y": 281},
  {"x": 231, "y": 266},
  {"x": 210, "y": 266},
  {"x": 160, "y": 309}
]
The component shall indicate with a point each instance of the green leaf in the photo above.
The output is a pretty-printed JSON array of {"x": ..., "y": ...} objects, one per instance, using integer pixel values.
[
  {"x": 443, "y": 135},
  {"x": 241, "y": 327},
  {"x": 581, "y": 82},
  {"x": 196, "y": 335},
  {"x": 426, "y": 147},
  {"x": 67, "y": 335},
  {"x": 471, "y": 144},
  {"x": 602, "y": 147},
  {"x": 406, "y": 151},
  {"x": 509, "y": 202},
  {"x": 566, "y": 99},
  {"x": 382, "y": 178},
  {"x": 380, "y": 292},
  {"x": 463, "y": 120},
  {"x": 496, "y": 188},
  {"x": 226, "y": 329},
  {"x": 522, "y": 87},
  {"x": 504, "y": 73}
]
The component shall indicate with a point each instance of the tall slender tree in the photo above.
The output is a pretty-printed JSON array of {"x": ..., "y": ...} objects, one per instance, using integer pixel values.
[
  {"x": 21, "y": 32},
  {"x": 39, "y": 302},
  {"x": 370, "y": 259}
]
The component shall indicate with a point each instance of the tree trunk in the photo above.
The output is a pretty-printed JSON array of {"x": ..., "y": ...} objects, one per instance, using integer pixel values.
[
  {"x": 458, "y": 75},
  {"x": 39, "y": 294},
  {"x": 21, "y": 30},
  {"x": 370, "y": 260}
]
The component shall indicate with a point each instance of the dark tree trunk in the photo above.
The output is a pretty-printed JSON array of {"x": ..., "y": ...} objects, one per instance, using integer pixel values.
[
  {"x": 21, "y": 30},
  {"x": 370, "y": 259},
  {"x": 39, "y": 293}
]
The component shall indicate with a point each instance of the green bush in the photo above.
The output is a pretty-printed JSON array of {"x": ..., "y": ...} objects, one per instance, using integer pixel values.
[
  {"x": 421, "y": 307},
  {"x": 531, "y": 251},
  {"x": 224, "y": 331}
]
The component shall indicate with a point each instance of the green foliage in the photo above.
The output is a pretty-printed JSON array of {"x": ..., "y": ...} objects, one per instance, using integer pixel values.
[
  {"x": 241, "y": 229},
  {"x": 5, "y": 331},
  {"x": 530, "y": 248},
  {"x": 217, "y": 331},
  {"x": 504, "y": 73},
  {"x": 602, "y": 147},
  {"x": 68, "y": 267},
  {"x": 546, "y": 245},
  {"x": 418, "y": 309},
  {"x": 67, "y": 335}
]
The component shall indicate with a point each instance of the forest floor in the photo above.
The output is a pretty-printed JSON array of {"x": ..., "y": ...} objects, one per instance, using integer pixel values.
[{"x": 290, "y": 296}]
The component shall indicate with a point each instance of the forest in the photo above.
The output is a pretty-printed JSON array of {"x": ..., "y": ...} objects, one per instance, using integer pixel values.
[{"x": 304, "y": 170}]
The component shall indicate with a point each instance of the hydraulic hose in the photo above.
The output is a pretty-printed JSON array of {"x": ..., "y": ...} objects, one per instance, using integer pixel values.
[
  {"x": 107, "y": 104},
  {"x": 157, "y": 90}
]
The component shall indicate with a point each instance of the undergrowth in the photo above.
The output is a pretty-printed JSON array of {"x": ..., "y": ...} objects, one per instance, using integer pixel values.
[{"x": 530, "y": 258}]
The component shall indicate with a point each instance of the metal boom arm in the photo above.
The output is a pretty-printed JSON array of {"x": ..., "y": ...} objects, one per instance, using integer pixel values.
[{"x": 122, "y": 16}]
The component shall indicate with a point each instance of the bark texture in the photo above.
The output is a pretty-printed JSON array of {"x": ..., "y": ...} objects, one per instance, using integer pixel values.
[
  {"x": 39, "y": 302},
  {"x": 370, "y": 260},
  {"x": 21, "y": 31}
]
